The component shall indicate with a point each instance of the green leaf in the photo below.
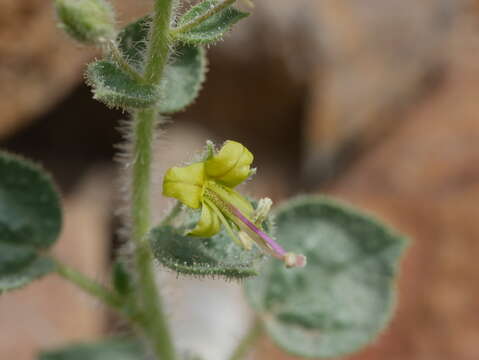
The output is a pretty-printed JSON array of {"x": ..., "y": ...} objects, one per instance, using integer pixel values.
[
  {"x": 344, "y": 296},
  {"x": 184, "y": 73},
  {"x": 30, "y": 221},
  {"x": 87, "y": 21},
  {"x": 116, "y": 89},
  {"x": 215, "y": 256},
  {"x": 24, "y": 275},
  {"x": 115, "y": 349},
  {"x": 211, "y": 29},
  {"x": 132, "y": 42},
  {"x": 184, "y": 77}
]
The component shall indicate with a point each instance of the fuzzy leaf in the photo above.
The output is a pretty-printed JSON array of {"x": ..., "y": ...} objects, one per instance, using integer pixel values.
[
  {"x": 30, "y": 221},
  {"x": 212, "y": 29},
  {"x": 22, "y": 276},
  {"x": 117, "y": 89},
  {"x": 87, "y": 21},
  {"x": 215, "y": 256},
  {"x": 132, "y": 41},
  {"x": 115, "y": 349},
  {"x": 344, "y": 296},
  {"x": 184, "y": 73},
  {"x": 184, "y": 77}
]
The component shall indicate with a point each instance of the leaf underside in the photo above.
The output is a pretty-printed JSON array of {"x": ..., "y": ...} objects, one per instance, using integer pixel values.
[
  {"x": 216, "y": 256},
  {"x": 345, "y": 295}
]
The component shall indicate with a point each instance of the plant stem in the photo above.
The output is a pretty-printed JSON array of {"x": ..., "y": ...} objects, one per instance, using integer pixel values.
[
  {"x": 88, "y": 285},
  {"x": 248, "y": 341},
  {"x": 205, "y": 16},
  {"x": 159, "y": 41},
  {"x": 154, "y": 321}
]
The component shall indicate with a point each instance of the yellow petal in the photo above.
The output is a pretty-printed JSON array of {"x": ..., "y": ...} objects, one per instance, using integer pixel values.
[
  {"x": 185, "y": 184},
  {"x": 231, "y": 165},
  {"x": 208, "y": 225}
]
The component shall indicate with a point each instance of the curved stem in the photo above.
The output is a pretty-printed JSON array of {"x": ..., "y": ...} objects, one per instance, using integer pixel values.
[
  {"x": 88, "y": 285},
  {"x": 248, "y": 341},
  {"x": 213, "y": 11}
]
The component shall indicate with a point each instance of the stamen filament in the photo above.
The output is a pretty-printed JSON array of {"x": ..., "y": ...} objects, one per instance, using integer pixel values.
[{"x": 277, "y": 249}]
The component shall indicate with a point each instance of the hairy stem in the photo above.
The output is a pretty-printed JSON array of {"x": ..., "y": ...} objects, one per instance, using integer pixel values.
[
  {"x": 88, "y": 285},
  {"x": 248, "y": 341},
  {"x": 159, "y": 43},
  {"x": 154, "y": 321},
  {"x": 202, "y": 18}
]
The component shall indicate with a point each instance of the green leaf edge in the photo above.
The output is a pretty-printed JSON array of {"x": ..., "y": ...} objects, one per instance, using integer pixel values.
[
  {"x": 40, "y": 261},
  {"x": 113, "y": 99},
  {"x": 403, "y": 243},
  {"x": 188, "y": 39},
  {"x": 198, "y": 86},
  {"x": 227, "y": 273},
  {"x": 35, "y": 270},
  {"x": 44, "y": 175}
]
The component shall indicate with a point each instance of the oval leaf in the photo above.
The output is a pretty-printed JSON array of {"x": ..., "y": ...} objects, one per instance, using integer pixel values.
[
  {"x": 30, "y": 212},
  {"x": 184, "y": 77},
  {"x": 215, "y": 256},
  {"x": 30, "y": 221},
  {"x": 22, "y": 276},
  {"x": 210, "y": 30},
  {"x": 116, "y": 349},
  {"x": 344, "y": 296},
  {"x": 132, "y": 42},
  {"x": 116, "y": 89}
]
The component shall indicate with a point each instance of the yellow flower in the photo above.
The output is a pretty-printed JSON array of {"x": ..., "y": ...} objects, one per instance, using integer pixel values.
[{"x": 210, "y": 184}]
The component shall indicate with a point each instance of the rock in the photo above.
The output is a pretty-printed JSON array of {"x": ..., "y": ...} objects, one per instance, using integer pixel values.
[{"x": 39, "y": 64}]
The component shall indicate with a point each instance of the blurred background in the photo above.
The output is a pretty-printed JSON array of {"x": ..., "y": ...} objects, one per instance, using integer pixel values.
[{"x": 372, "y": 101}]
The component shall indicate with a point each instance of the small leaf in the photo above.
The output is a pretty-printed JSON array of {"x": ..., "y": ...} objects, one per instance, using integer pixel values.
[
  {"x": 114, "y": 349},
  {"x": 213, "y": 28},
  {"x": 117, "y": 89},
  {"x": 30, "y": 221},
  {"x": 87, "y": 21},
  {"x": 184, "y": 73},
  {"x": 344, "y": 296},
  {"x": 184, "y": 77},
  {"x": 132, "y": 41},
  {"x": 215, "y": 256}
]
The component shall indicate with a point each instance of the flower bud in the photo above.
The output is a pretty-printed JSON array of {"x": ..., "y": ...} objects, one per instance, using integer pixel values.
[{"x": 87, "y": 21}]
